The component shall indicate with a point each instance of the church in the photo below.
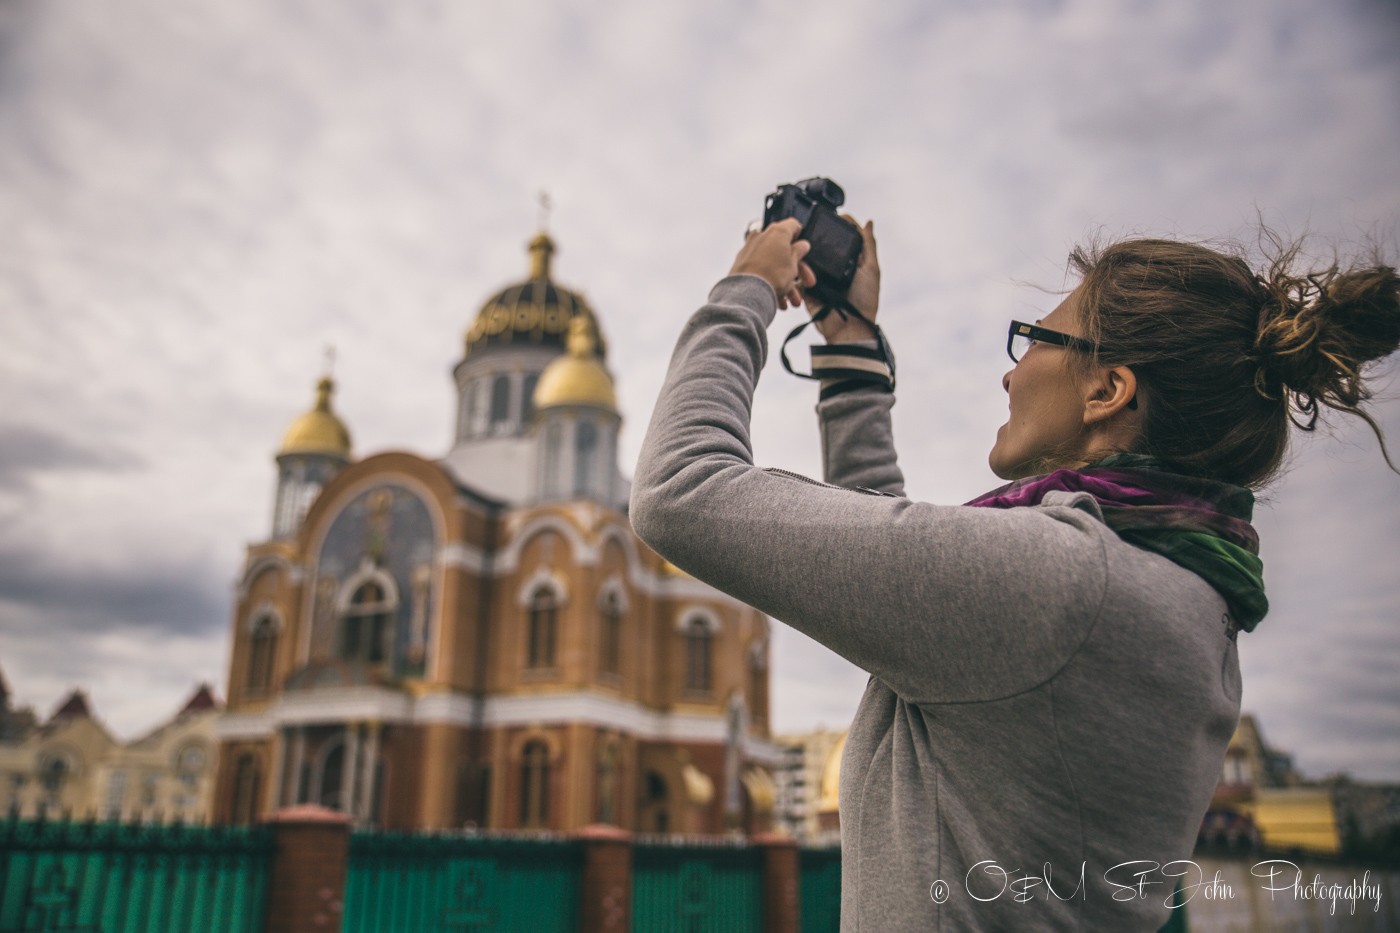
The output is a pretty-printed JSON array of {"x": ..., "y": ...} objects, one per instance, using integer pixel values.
[{"x": 480, "y": 640}]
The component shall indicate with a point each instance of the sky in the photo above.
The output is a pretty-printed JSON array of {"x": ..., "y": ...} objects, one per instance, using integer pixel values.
[{"x": 198, "y": 198}]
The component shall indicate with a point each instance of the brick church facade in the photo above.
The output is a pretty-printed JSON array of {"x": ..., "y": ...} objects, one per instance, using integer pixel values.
[{"x": 480, "y": 640}]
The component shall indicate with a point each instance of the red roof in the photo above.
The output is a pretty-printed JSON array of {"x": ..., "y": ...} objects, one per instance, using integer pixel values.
[
  {"x": 74, "y": 706},
  {"x": 202, "y": 701}
]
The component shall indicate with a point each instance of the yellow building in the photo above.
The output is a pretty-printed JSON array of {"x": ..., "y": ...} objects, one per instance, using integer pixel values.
[
  {"x": 71, "y": 765},
  {"x": 1261, "y": 801},
  {"x": 480, "y": 639},
  {"x": 809, "y": 783}
]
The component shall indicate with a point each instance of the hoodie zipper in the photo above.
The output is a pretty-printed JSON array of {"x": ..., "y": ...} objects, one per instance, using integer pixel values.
[{"x": 865, "y": 490}]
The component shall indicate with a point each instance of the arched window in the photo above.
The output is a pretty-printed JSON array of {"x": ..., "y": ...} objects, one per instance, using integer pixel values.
[
  {"x": 466, "y": 427},
  {"x": 656, "y": 794},
  {"x": 262, "y": 652},
  {"x": 189, "y": 764},
  {"x": 697, "y": 656},
  {"x": 247, "y": 785},
  {"x": 527, "y": 404},
  {"x": 500, "y": 403},
  {"x": 608, "y": 767},
  {"x": 553, "y": 447},
  {"x": 366, "y": 625},
  {"x": 55, "y": 771},
  {"x": 534, "y": 785},
  {"x": 544, "y": 617},
  {"x": 332, "y": 773},
  {"x": 585, "y": 453},
  {"x": 610, "y": 642}
]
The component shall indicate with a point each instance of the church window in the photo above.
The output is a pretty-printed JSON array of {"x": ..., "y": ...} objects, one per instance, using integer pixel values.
[
  {"x": 608, "y": 768},
  {"x": 585, "y": 448},
  {"x": 55, "y": 771},
  {"x": 553, "y": 444},
  {"x": 332, "y": 773},
  {"x": 534, "y": 785},
  {"x": 698, "y": 648},
  {"x": 500, "y": 403},
  {"x": 261, "y": 652},
  {"x": 656, "y": 794},
  {"x": 467, "y": 423},
  {"x": 366, "y": 624},
  {"x": 246, "y": 787},
  {"x": 116, "y": 793},
  {"x": 189, "y": 765},
  {"x": 544, "y": 619},
  {"x": 150, "y": 788},
  {"x": 610, "y": 651},
  {"x": 527, "y": 403}
]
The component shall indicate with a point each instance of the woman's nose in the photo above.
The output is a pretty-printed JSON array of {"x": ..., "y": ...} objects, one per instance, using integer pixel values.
[{"x": 1006, "y": 381}]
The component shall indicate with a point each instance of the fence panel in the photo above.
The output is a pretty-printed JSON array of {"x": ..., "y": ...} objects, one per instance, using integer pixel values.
[
  {"x": 819, "y": 873},
  {"x": 401, "y": 883},
  {"x": 696, "y": 888},
  {"x": 120, "y": 878}
]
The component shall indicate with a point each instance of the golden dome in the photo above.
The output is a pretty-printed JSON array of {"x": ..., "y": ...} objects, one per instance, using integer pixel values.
[
  {"x": 318, "y": 431},
  {"x": 577, "y": 377},
  {"x": 533, "y": 313}
]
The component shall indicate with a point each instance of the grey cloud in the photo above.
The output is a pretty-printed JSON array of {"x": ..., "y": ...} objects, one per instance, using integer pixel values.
[
  {"x": 64, "y": 598},
  {"x": 26, "y": 451}
]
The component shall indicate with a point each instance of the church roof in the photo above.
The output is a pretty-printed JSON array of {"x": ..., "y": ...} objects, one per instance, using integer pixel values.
[
  {"x": 74, "y": 706},
  {"x": 534, "y": 313},
  {"x": 202, "y": 701},
  {"x": 319, "y": 431}
]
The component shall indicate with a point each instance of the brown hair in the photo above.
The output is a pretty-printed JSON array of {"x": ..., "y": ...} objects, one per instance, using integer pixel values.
[{"x": 1226, "y": 358}]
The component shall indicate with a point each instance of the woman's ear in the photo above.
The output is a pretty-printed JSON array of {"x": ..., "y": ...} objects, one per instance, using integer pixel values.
[{"x": 1112, "y": 390}]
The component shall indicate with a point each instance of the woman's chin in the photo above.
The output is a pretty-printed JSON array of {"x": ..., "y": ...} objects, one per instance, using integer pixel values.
[{"x": 996, "y": 459}]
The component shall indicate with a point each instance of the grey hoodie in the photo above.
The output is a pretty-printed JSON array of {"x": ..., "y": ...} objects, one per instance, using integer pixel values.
[{"x": 1048, "y": 707}]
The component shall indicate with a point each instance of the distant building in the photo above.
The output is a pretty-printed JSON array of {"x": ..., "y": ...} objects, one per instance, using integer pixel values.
[
  {"x": 1262, "y": 802},
  {"x": 15, "y": 723},
  {"x": 809, "y": 781},
  {"x": 1369, "y": 816},
  {"x": 71, "y": 765},
  {"x": 481, "y": 639}
]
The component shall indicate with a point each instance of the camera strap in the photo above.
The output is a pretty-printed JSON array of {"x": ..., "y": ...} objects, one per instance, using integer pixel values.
[{"x": 883, "y": 357}]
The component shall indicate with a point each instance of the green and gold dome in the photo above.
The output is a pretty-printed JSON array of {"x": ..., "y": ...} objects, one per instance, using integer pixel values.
[{"x": 532, "y": 313}]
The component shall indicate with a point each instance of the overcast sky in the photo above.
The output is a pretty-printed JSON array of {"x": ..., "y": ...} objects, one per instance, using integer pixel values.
[{"x": 197, "y": 198}]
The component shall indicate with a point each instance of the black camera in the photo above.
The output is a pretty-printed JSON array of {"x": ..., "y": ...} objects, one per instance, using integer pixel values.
[{"x": 836, "y": 242}]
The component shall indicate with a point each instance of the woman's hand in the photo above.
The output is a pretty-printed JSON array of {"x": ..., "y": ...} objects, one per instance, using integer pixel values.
[
  {"x": 775, "y": 255},
  {"x": 864, "y": 295}
]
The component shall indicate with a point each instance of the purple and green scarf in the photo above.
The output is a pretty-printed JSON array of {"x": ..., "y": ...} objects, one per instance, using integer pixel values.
[{"x": 1201, "y": 524}]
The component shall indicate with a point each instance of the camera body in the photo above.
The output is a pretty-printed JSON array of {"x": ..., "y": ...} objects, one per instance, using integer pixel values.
[{"x": 836, "y": 242}]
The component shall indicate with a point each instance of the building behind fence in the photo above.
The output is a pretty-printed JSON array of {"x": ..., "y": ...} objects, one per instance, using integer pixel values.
[{"x": 306, "y": 869}]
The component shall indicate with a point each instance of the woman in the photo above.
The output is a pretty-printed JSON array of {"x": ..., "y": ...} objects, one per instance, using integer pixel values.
[{"x": 1054, "y": 675}]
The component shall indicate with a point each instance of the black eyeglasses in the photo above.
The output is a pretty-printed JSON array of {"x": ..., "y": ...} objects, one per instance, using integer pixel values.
[{"x": 1019, "y": 338}]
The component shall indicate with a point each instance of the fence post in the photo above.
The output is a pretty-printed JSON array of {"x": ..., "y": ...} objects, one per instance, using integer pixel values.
[
  {"x": 605, "y": 901},
  {"x": 781, "y": 911},
  {"x": 310, "y": 860}
]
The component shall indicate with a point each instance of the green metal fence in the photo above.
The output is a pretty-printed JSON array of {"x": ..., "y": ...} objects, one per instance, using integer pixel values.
[
  {"x": 115, "y": 878},
  {"x": 401, "y": 883},
  {"x": 687, "y": 887},
  {"x": 819, "y": 874}
]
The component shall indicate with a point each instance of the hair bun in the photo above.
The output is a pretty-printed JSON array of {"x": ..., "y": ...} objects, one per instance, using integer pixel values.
[{"x": 1317, "y": 332}]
